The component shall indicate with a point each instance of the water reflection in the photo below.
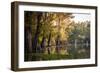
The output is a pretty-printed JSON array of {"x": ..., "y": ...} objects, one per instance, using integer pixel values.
[{"x": 69, "y": 51}]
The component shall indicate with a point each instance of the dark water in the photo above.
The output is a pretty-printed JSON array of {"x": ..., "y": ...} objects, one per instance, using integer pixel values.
[{"x": 69, "y": 51}]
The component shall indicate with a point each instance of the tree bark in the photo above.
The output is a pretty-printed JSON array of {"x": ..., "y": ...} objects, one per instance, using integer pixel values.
[
  {"x": 57, "y": 45},
  {"x": 49, "y": 39},
  {"x": 43, "y": 44},
  {"x": 36, "y": 36}
]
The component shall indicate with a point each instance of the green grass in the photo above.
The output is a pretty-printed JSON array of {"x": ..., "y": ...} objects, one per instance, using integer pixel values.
[{"x": 41, "y": 56}]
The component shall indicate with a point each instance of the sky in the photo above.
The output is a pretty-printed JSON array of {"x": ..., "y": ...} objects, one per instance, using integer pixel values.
[{"x": 81, "y": 17}]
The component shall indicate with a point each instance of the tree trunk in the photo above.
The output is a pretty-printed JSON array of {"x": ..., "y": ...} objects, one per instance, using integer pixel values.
[
  {"x": 36, "y": 36},
  {"x": 58, "y": 45},
  {"x": 49, "y": 39},
  {"x": 43, "y": 44}
]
